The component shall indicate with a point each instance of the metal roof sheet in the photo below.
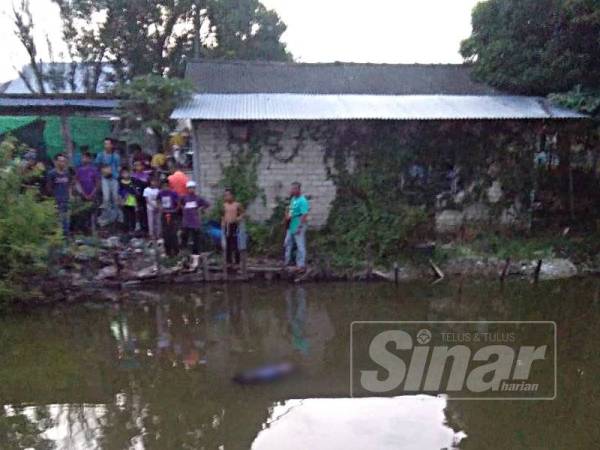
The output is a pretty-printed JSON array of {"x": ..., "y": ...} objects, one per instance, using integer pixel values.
[
  {"x": 81, "y": 74},
  {"x": 367, "y": 107},
  {"x": 26, "y": 102}
]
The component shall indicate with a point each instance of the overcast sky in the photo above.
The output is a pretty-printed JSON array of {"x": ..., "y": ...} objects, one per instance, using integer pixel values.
[{"x": 392, "y": 31}]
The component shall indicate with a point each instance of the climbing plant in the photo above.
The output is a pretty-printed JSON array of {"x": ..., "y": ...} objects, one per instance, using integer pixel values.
[
  {"x": 370, "y": 210},
  {"x": 390, "y": 178},
  {"x": 241, "y": 174}
]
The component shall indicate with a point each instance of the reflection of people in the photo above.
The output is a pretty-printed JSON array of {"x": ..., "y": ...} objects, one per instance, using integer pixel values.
[
  {"x": 297, "y": 222},
  {"x": 163, "y": 339},
  {"x": 126, "y": 342},
  {"x": 295, "y": 301},
  {"x": 239, "y": 321}
]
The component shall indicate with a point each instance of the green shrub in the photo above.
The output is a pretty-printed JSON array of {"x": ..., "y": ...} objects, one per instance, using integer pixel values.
[
  {"x": 267, "y": 238},
  {"x": 28, "y": 228}
]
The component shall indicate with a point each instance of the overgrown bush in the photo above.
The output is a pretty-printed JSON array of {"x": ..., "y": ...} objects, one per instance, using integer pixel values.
[
  {"x": 267, "y": 238},
  {"x": 373, "y": 214},
  {"x": 241, "y": 175},
  {"x": 28, "y": 228},
  {"x": 356, "y": 230}
]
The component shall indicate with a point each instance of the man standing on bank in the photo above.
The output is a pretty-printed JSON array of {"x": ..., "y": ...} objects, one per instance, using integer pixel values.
[{"x": 297, "y": 222}]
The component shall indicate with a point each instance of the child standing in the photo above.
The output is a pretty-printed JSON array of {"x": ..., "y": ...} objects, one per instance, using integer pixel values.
[
  {"x": 191, "y": 206},
  {"x": 87, "y": 178},
  {"x": 129, "y": 202},
  {"x": 153, "y": 213},
  {"x": 59, "y": 185},
  {"x": 140, "y": 179},
  {"x": 167, "y": 204},
  {"x": 232, "y": 215}
]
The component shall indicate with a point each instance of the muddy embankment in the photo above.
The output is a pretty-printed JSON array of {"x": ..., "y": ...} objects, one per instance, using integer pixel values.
[{"x": 96, "y": 269}]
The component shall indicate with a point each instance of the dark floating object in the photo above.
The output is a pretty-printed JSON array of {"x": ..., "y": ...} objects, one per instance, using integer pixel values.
[{"x": 265, "y": 374}]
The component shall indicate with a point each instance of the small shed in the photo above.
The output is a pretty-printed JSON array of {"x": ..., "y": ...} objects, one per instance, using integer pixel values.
[
  {"x": 68, "y": 112},
  {"x": 235, "y": 98}
]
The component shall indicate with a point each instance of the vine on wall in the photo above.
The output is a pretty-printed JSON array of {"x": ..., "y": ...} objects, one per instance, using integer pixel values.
[{"x": 389, "y": 175}]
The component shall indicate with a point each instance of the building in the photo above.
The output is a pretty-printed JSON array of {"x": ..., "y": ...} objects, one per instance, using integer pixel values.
[
  {"x": 62, "y": 78},
  {"x": 71, "y": 112},
  {"x": 287, "y": 103}
]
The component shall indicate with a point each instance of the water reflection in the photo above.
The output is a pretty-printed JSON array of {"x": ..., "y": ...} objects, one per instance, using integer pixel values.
[
  {"x": 409, "y": 423},
  {"x": 154, "y": 371},
  {"x": 295, "y": 302}
]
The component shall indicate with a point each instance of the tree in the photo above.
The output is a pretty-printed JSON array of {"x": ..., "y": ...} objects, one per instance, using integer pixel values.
[
  {"x": 47, "y": 77},
  {"x": 138, "y": 37},
  {"x": 245, "y": 29},
  {"x": 535, "y": 46},
  {"x": 147, "y": 103},
  {"x": 23, "y": 21}
]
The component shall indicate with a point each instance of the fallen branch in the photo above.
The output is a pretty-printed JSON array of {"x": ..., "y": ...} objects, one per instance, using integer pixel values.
[
  {"x": 536, "y": 273},
  {"x": 383, "y": 275},
  {"x": 437, "y": 271}
]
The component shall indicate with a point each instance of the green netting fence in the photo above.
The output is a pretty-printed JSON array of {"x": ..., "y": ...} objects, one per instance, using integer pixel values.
[{"x": 88, "y": 131}]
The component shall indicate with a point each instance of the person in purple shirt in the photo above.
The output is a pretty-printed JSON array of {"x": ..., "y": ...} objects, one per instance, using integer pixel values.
[
  {"x": 87, "y": 184},
  {"x": 168, "y": 205},
  {"x": 191, "y": 223}
]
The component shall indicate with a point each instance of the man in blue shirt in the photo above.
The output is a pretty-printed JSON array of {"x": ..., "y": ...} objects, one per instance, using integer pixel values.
[
  {"x": 108, "y": 157},
  {"x": 297, "y": 222}
]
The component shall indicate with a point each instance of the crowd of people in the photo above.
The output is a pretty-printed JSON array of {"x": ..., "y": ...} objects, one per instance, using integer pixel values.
[{"x": 151, "y": 196}]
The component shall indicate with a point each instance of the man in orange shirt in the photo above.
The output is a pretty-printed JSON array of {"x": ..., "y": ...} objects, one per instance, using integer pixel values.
[{"x": 178, "y": 181}]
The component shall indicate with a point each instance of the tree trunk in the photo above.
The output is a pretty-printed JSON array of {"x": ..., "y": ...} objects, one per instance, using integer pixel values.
[{"x": 66, "y": 134}]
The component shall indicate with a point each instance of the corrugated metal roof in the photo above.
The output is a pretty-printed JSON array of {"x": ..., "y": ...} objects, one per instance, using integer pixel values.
[
  {"x": 82, "y": 75},
  {"x": 366, "y": 107},
  {"x": 27, "y": 102}
]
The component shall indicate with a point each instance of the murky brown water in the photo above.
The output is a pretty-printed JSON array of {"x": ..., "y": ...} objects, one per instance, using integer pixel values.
[{"x": 155, "y": 371}]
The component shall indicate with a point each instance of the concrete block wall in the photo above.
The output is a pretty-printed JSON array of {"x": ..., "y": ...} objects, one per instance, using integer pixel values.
[{"x": 213, "y": 142}]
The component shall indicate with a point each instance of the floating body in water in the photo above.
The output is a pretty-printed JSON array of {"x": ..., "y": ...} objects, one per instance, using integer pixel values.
[{"x": 265, "y": 374}]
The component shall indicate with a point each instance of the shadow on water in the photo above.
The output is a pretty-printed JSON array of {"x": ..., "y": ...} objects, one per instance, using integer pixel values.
[{"x": 155, "y": 370}]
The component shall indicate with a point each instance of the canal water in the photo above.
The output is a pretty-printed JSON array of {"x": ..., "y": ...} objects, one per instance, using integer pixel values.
[{"x": 154, "y": 370}]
